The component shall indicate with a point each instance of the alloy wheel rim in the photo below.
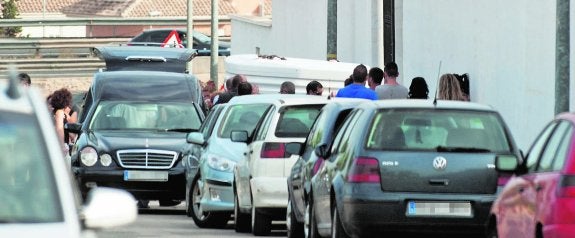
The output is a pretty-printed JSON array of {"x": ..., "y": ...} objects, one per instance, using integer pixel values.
[
  {"x": 288, "y": 216},
  {"x": 307, "y": 221},
  {"x": 196, "y": 201}
]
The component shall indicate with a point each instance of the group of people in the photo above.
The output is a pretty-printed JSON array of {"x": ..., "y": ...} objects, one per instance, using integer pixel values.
[
  {"x": 60, "y": 105},
  {"x": 238, "y": 85},
  {"x": 449, "y": 87}
]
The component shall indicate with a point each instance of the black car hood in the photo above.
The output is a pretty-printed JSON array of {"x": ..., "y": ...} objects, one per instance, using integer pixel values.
[{"x": 119, "y": 140}]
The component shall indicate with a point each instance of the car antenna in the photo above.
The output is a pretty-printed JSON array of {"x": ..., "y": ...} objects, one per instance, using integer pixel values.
[
  {"x": 12, "y": 90},
  {"x": 436, "y": 88}
]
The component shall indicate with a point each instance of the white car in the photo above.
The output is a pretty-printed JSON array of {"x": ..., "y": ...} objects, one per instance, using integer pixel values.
[
  {"x": 260, "y": 179},
  {"x": 38, "y": 197}
]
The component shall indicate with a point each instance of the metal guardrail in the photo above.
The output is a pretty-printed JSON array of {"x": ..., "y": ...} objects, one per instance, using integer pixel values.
[
  {"x": 108, "y": 21},
  {"x": 55, "y": 47}
]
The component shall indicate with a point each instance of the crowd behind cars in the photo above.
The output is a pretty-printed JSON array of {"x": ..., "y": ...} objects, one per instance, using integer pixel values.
[{"x": 366, "y": 161}]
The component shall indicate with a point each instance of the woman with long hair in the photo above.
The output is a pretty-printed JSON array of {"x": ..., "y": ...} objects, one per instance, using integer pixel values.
[
  {"x": 418, "y": 88},
  {"x": 449, "y": 89}
]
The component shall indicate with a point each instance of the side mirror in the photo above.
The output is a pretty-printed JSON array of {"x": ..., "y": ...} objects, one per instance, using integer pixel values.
[
  {"x": 506, "y": 163},
  {"x": 294, "y": 148},
  {"x": 109, "y": 207},
  {"x": 73, "y": 127},
  {"x": 195, "y": 138},
  {"x": 321, "y": 151},
  {"x": 239, "y": 136}
]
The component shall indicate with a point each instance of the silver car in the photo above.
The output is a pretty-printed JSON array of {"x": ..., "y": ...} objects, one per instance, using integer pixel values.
[
  {"x": 211, "y": 156},
  {"x": 38, "y": 197}
]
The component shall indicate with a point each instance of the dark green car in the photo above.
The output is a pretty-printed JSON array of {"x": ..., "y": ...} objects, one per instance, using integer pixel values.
[{"x": 411, "y": 166}]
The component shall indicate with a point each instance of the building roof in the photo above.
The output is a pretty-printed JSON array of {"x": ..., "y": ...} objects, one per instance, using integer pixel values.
[{"x": 127, "y": 8}]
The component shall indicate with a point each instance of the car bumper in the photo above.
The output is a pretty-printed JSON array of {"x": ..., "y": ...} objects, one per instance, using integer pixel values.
[
  {"x": 218, "y": 187},
  {"x": 368, "y": 210},
  {"x": 172, "y": 189},
  {"x": 269, "y": 192}
]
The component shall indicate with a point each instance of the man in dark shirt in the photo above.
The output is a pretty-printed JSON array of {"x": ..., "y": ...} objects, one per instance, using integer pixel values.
[{"x": 225, "y": 97}]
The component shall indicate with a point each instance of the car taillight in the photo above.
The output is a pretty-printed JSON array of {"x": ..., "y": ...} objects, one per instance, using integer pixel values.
[
  {"x": 316, "y": 166},
  {"x": 273, "y": 151},
  {"x": 566, "y": 186},
  {"x": 364, "y": 170}
]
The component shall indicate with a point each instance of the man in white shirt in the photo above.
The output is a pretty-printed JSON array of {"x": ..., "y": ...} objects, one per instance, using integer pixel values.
[{"x": 391, "y": 89}]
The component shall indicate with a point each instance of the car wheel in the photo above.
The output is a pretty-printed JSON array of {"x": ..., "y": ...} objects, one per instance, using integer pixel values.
[
  {"x": 261, "y": 223},
  {"x": 294, "y": 228},
  {"x": 310, "y": 223},
  {"x": 201, "y": 218},
  {"x": 242, "y": 220},
  {"x": 336, "y": 226}
]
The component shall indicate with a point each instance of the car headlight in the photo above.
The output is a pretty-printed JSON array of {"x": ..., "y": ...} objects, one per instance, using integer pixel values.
[
  {"x": 221, "y": 164},
  {"x": 106, "y": 159},
  {"x": 88, "y": 156}
]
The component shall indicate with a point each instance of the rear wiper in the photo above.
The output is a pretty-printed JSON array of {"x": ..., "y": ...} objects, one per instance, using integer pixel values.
[
  {"x": 186, "y": 130},
  {"x": 461, "y": 149}
]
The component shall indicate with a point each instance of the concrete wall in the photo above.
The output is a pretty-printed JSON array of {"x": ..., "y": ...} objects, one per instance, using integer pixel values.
[{"x": 506, "y": 47}]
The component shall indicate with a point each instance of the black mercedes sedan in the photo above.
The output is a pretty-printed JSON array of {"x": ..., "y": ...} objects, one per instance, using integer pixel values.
[
  {"x": 412, "y": 166},
  {"x": 132, "y": 135}
]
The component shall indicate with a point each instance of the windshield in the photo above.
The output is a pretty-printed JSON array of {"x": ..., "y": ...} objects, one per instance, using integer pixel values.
[
  {"x": 438, "y": 130},
  {"x": 243, "y": 117},
  {"x": 121, "y": 115},
  {"x": 28, "y": 192},
  {"x": 201, "y": 37},
  {"x": 296, "y": 121}
]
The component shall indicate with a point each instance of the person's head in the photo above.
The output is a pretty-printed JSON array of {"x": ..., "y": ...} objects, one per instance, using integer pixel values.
[
  {"x": 390, "y": 70},
  {"x": 418, "y": 88},
  {"x": 236, "y": 80},
  {"x": 229, "y": 84},
  {"x": 287, "y": 87},
  {"x": 314, "y": 88},
  {"x": 244, "y": 88},
  {"x": 374, "y": 77},
  {"x": 61, "y": 99},
  {"x": 25, "y": 79},
  {"x": 359, "y": 74},
  {"x": 449, "y": 88}
]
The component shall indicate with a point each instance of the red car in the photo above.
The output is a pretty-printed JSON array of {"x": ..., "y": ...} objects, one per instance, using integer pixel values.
[{"x": 540, "y": 200}]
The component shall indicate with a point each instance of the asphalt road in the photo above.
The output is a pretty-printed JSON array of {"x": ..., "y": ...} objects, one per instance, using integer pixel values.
[{"x": 172, "y": 222}]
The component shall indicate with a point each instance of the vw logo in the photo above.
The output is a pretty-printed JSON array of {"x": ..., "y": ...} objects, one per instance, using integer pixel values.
[{"x": 439, "y": 163}]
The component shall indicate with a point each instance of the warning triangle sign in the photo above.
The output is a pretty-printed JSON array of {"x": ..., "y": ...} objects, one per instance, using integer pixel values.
[{"x": 173, "y": 40}]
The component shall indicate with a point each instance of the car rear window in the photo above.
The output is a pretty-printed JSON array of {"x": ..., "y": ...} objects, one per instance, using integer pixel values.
[
  {"x": 450, "y": 130},
  {"x": 28, "y": 191},
  {"x": 242, "y": 117},
  {"x": 296, "y": 121}
]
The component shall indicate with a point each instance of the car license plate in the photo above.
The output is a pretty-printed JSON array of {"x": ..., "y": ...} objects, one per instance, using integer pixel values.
[
  {"x": 451, "y": 209},
  {"x": 138, "y": 175}
]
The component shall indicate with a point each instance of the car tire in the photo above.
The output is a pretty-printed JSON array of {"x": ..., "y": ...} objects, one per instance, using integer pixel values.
[
  {"x": 337, "y": 230},
  {"x": 310, "y": 223},
  {"x": 295, "y": 229},
  {"x": 242, "y": 220},
  {"x": 201, "y": 218},
  {"x": 261, "y": 223}
]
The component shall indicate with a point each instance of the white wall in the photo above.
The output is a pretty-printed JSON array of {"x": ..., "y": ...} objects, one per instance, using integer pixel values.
[
  {"x": 54, "y": 31},
  {"x": 297, "y": 30},
  {"x": 507, "y": 47}
]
